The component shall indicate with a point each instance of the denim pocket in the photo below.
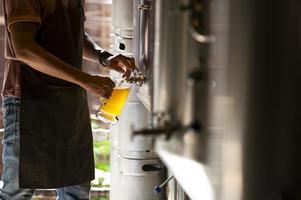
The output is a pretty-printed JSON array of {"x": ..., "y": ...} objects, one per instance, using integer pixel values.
[
  {"x": 11, "y": 119},
  {"x": 11, "y": 103}
]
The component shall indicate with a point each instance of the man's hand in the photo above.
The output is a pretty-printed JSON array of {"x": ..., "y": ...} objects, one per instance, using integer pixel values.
[
  {"x": 98, "y": 85},
  {"x": 121, "y": 64}
]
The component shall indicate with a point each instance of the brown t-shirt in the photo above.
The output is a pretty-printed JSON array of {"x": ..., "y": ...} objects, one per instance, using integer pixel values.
[{"x": 19, "y": 11}]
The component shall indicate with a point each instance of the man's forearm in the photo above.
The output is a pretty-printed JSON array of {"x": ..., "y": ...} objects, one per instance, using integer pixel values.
[
  {"x": 93, "y": 52},
  {"x": 41, "y": 60},
  {"x": 28, "y": 51},
  {"x": 91, "y": 49}
]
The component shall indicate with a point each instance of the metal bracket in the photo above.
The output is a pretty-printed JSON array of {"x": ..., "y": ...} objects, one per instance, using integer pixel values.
[
  {"x": 144, "y": 7},
  {"x": 201, "y": 38}
]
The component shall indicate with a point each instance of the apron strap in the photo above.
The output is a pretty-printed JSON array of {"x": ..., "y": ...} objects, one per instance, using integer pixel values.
[
  {"x": 59, "y": 2},
  {"x": 79, "y": 2}
]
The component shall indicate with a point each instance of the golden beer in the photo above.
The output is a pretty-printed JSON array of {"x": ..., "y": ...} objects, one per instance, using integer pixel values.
[{"x": 111, "y": 108}]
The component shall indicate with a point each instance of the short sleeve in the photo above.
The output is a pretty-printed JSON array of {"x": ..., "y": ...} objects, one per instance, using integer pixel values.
[{"x": 22, "y": 10}]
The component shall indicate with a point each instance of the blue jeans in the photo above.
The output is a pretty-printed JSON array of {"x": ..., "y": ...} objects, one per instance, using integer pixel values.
[{"x": 11, "y": 153}]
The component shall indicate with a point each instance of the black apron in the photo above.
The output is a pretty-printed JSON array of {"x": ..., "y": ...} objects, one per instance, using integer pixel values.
[{"x": 56, "y": 145}]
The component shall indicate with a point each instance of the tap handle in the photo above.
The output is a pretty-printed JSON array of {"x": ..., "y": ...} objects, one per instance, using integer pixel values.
[
  {"x": 138, "y": 78},
  {"x": 158, "y": 188}
]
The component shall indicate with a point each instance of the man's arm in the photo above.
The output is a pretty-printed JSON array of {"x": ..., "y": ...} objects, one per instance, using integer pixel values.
[
  {"x": 93, "y": 52},
  {"x": 29, "y": 52}
]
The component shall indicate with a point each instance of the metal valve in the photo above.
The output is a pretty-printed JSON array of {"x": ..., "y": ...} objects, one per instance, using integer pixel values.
[
  {"x": 168, "y": 130},
  {"x": 138, "y": 78}
]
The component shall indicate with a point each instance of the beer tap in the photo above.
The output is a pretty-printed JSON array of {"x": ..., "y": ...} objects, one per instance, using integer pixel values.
[
  {"x": 167, "y": 129},
  {"x": 138, "y": 78}
]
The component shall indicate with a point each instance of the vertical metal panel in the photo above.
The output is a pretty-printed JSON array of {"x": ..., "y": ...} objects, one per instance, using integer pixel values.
[
  {"x": 142, "y": 11},
  {"x": 143, "y": 45},
  {"x": 257, "y": 109},
  {"x": 168, "y": 73},
  {"x": 126, "y": 18},
  {"x": 122, "y": 16},
  {"x": 272, "y": 151},
  {"x": 116, "y": 21}
]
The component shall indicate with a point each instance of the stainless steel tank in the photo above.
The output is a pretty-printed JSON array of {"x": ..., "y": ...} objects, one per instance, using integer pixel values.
[
  {"x": 136, "y": 169},
  {"x": 139, "y": 178}
]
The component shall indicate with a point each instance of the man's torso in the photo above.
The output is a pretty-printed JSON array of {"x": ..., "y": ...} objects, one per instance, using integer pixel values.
[{"x": 30, "y": 10}]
